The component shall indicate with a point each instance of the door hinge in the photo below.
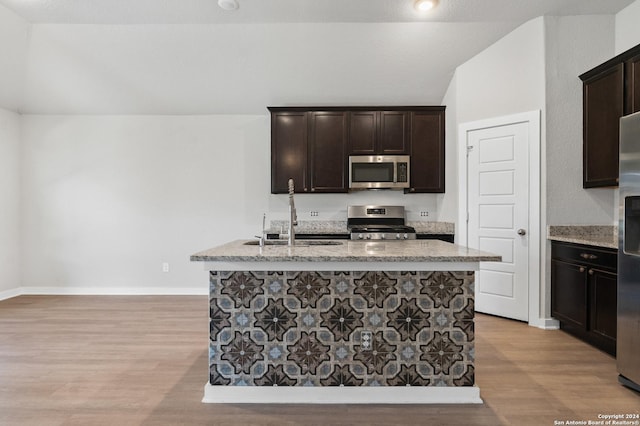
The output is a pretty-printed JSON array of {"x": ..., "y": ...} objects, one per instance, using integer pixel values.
[{"x": 469, "y": 149}]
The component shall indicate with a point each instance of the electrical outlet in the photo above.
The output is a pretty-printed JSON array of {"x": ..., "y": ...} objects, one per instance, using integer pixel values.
[
  {"x": 165, "y": 266},
  {"x": 424, "y": 214},
  {"x": 314, "y": 214},
  {"x": 366, "y": 340}
]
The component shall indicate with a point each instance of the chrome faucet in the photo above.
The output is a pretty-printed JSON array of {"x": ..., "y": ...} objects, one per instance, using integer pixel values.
[
  {"x": 263, "y": 236},
  {"x": 293, "y": 216}
]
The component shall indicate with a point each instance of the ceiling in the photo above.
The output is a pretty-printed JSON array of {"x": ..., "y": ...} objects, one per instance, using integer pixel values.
[
  {"x": 270, "y": 11},
  {"x": 191, "y": 57}
]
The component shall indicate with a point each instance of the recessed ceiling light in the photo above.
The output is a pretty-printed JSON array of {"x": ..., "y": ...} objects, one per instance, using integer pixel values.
[
  {"x": 424, "y": 5},
  {"x": 228, "y": 4}
]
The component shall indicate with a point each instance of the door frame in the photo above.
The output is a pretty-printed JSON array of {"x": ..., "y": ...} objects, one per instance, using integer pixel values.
[{"x": 536, "y": 259}]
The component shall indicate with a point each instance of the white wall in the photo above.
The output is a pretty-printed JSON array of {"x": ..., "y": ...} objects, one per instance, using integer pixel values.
[
  {"x": 448, "y": 202},
  {"x": 506, "y": 78},
  {"x": 627, "y": 28},
  {"x": 9, "y": 200},
  {"x": 240, "y": 69},
  {"x": 108, "y": 199},
  {"x": 14, "y": 34},
  {"x": 573, "y": 45}
]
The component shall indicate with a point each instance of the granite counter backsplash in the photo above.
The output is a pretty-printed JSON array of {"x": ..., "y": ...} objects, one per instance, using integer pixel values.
[
  {"x": 340, "y": 226},
  {"x": 311, "y": 226},
  {"x": 593, "y": 235}
]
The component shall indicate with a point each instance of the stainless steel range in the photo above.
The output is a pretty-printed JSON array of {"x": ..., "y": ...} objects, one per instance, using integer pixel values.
[{"x": 378, "y": 223}]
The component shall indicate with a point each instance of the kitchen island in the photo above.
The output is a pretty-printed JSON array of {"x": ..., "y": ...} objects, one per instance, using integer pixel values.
[{"x": 342, "y": 322}]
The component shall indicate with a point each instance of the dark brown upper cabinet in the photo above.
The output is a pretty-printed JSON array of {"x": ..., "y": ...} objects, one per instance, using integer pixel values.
[
  {"x": 310, "y": 148},
  {"x": 603, "y": 106},
  {"x": 378, "y": 132},
  {"x": 328, "y": 151},
  {"x": 312, "y": 144},
  {"x": 632, "y": 73},
  {"x": 610, "y": 91},
  {"x": 427, "y": 151},
  {"x": 289, "y": 151}
]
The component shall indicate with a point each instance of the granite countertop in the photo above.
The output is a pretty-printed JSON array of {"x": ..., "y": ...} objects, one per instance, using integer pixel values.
[
  {"x": 591, "y": 235},
  {"x": 346, "y": 251},
  {"x": 340, "y": 227}
]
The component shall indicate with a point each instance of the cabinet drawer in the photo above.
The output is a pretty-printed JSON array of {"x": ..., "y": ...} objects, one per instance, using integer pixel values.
[{"x": 586, "y": 255}]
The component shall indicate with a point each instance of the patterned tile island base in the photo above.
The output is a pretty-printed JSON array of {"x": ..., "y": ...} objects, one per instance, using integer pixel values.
[{"x": 349, "y": 329}]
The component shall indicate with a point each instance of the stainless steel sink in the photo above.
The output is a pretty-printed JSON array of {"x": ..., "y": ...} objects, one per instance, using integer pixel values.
[{"x": 298, "y": 243}]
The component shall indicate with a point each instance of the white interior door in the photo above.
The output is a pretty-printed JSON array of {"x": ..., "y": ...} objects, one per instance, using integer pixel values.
[{"x": 498, "y": 216}]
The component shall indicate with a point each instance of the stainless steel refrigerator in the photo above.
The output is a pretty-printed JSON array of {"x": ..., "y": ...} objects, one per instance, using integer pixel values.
[{"x": 628, "y": 336}]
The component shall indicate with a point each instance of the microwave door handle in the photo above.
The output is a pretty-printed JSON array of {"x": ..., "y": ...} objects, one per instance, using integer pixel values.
[{"x": 395, "y": 173}]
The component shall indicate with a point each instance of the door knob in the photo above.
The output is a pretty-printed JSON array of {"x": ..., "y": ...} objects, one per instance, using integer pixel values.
[{"x": 522, "y": 232}]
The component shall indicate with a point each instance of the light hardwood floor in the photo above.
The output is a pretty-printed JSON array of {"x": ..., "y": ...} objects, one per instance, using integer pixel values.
[{"x": 96, "y": 360}]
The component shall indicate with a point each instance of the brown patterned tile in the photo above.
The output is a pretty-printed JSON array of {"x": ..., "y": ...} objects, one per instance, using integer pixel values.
[
  {"x": 218, "y": 318},
  {"x": 242, "y": 287},
  {"x": 342, "y": 319},
  {"x": 242, "y": 352},
  {"x": 442, "y": 287},
  {"x": 341, "y": 376},
  {"x": 308, "y": 353},
  {"x": 275, "y": 319},
  {"x": 285, "y": 328},
  {"x": 380, "y": 354},
  {"x": 275, "y": 376},
  {"x": 375, "y": 287},
  {"x": 408, "y": 376},
  {"x": 408, "y": 319},
  {"x": 308, "y": 287},
  {"x": 441, "y": 353},
  {"x": 467, "y": 379}
]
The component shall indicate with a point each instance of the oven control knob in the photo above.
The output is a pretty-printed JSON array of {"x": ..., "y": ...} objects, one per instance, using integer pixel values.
[
  {"x": 397, "y": 236},
  {"x": 406, "y": 236},
  {"x": 368, "y": 236},
  {"x": 382, "y": 237},
  {"x": 360, "y": 236}
]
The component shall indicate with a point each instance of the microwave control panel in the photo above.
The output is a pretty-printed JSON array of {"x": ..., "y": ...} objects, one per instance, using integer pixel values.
[{"x": 402, "y": 168}]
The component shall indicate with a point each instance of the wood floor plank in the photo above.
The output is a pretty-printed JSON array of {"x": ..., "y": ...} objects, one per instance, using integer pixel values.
[{"x": 125, "y": 360}]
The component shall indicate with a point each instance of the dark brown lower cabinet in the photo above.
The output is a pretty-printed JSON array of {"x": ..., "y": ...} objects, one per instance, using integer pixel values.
[{"x": 584, "y": 292}]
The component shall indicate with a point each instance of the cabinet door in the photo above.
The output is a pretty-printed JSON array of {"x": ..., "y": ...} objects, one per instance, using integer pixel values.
[
  {"x": 363, "y": 133},
  {"x": 603, "y": 306},
  {"x": 632, "y": 73},
  {"x": 288, "y": 151},
  {"x": 393, "y": 127},
  {"x": 427, "y": 151},
  {"x": 603, "y": 106},
  {"x": 327, "y": 157},
  {"x": 569, "y": 293}
]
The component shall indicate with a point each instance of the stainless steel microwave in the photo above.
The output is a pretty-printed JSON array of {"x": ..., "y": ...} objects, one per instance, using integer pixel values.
[{"x": 379, "y": 171}]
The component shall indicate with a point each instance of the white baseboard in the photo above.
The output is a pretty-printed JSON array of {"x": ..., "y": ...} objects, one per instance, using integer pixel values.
[
  {"x": 8, "y": 294},
  {"x": 342, "y": 395},
  {"x": 545, "y": 323},
  {"x": 106, "y": 291}
]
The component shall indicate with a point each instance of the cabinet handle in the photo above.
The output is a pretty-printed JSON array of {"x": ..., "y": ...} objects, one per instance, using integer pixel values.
[
  {"x": 588, "y": 256},
  {"x": 313, "y": 189},
  {"x": 590, "y": 271},
  {"x": 581, "y": 269}
]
